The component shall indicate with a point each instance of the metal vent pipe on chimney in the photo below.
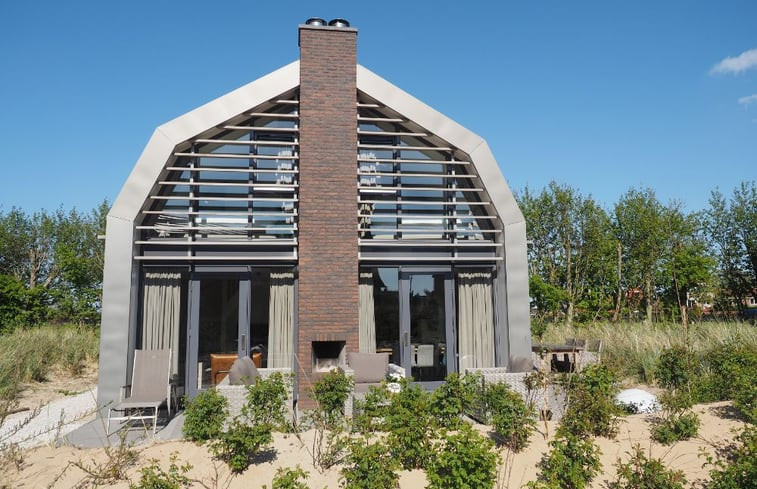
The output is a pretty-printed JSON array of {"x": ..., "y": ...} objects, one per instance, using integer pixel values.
[{"x": 339, "y": 23}]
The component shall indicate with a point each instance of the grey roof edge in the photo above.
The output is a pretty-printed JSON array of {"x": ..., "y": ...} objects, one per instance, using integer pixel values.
[
  {"x": 449, "y": 130},
  {"x": 165, "y": 138}
]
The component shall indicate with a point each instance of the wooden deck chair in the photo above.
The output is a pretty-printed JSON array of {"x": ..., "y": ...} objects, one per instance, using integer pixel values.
[{"x": 150, "y": 388}]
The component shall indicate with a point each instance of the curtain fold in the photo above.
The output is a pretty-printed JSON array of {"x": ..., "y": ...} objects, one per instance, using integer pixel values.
[
  {"x": 367, "y": 321},
  {"x": 475, "y": 320},
  {"x": 281, "y": 320},
  {"x": 161, "y": 313}
]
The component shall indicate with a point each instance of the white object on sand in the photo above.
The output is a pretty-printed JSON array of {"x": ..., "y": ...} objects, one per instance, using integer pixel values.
[{"x": 641, "y": 400}]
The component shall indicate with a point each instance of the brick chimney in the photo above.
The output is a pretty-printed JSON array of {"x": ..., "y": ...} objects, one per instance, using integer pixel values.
[{"x": 328, "y": 246}]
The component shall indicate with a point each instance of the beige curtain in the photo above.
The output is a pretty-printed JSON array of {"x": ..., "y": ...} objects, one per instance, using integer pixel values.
[
  {"x": 281, "y": 320},
  {"x": 475, "y": 319},
  {"x": 367, "y": 320},
  {"x": 161, "y": 312}
]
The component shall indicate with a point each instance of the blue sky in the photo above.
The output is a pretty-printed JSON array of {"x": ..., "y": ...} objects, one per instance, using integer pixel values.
[{"x": 599, "y": 95}]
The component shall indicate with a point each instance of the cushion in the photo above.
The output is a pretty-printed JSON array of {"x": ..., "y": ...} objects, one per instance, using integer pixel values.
[
  {"x": 243, "y": 372},
  {"x": 368, "y": 367}
]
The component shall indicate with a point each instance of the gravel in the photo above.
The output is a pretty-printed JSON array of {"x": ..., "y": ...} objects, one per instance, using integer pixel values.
[{"x": 50, "y": 422}]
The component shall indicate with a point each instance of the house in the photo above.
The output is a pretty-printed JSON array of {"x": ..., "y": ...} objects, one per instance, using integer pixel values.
[{"x": 315, "y": 211}]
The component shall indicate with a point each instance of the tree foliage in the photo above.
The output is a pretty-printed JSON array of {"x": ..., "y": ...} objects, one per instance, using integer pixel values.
[
  {"x": 51, "y": 265},
  {"x": 731, "y": 225}
]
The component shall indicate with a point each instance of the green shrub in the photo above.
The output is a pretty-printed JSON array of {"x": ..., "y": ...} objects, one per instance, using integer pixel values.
[
  {"x": 266, "y": 400},
  {"x": 669, "y": 430},
  {"x": 287, "y": 478},
  {"x": 465, "y": 460},
  {"x": 154, "y": 477},
  {"x": 571, "y": 463},
  {"x": 240, "y": 443},
  {"x": 369, "y": 466},
  {"x": 204, "y": 416},
  {"x": 21, "y": 306},
  {"x": 591, "y": 406},
  {"x": 674, "y": 368},
  {"x": 513, "y": 421},
  {"x": 641, "y": 472},
  {"x": 737, "y": 469},
  {"x": 731, "y": 370},
  {"x": 410, "y": 426},
  {"x": 369, "y": 414},
  {"x": 454, "y": 397},
  {"x": 330, "y": 392}
]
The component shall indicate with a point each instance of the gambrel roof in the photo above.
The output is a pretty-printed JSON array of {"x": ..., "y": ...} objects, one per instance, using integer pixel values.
[{"x": 167, "y": 137}]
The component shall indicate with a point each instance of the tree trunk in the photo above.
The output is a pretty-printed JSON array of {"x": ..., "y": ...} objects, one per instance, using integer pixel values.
[
  {"x": 619, "y": 295},
  {"x": 570, "y": 313},
  {"x": 684, "y": 316},
  {"x": 648, "y": 297}
]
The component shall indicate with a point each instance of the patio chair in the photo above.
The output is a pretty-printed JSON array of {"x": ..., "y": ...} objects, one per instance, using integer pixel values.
[
  {"x": 150, "y": 388},
  {"x": 590, "y": 355}
]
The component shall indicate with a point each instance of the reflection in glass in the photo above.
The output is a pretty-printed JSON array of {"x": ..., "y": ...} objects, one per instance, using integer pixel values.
[
  {"x": 219, "y": 323},
  {"x": 427, "y": 327}
]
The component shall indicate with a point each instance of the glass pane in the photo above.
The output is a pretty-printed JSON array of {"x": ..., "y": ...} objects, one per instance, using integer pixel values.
[
  {"x": 386, "y": 306},
  {"x": 219, "y": 327},
  {"x": 428, "y": 354}
]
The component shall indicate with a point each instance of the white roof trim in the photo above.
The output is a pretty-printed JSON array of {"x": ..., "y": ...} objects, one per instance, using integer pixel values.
[
  {"x": 452, "y": 132},
  {"x": 165, "y": 138}
]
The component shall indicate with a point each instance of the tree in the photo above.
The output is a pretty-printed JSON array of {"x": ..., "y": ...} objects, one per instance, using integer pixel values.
[
  {"x": 58, "y": 257},
  {"x": 570, "y": 252},
  {"x": 639, "y": 224},
  {"x": 732, "y": 229},
  {"x": 686, "y": 265}
]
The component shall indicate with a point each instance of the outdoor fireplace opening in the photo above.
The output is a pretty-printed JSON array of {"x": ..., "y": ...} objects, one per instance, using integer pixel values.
[{"x": 328, "y": 355}]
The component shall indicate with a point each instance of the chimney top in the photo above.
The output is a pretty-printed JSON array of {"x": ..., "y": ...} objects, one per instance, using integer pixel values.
[{"x": 317, "y": 23}]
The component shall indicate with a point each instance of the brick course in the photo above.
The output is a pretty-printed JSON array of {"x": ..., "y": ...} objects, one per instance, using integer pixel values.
[{"x": 328, "y": 247}]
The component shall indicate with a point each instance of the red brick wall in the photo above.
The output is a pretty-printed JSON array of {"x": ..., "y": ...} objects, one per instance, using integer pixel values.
[{"x": 328, "y": 250}]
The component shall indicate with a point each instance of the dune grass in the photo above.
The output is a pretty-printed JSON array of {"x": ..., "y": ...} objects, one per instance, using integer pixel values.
[
  {"x": 30, "y": 354},
  {"x": 633, "y": 348}
]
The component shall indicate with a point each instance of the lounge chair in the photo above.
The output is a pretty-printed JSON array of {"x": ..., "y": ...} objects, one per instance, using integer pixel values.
[{"x": 150, "y": 388}]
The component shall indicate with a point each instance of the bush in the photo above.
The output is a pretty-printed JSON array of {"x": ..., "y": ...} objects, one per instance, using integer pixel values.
[
  {"x": 240, "y": 443},
  {"x": 287, "y": 478},
  {"x": 738, "y": 468},
  {"x": 331, "y": 392},
  {"x": 154, "y": 477},
  {"x": 669, "y": 430},
  {"x": 674, "y": 368},
  {"x": 204, "y": 416},
  {"x": 731, "y": 370},
  {"x": 465, "y": 460},
  {"x": 454, "y": 397},
  {"x": 591, "y": 406},
  {"x": 571, "y": 463},
  {"x": 410, "y": 426},
  {"x": 512, "y": 420},
  {"x": 369, "y": 466},
  {"x": 369, "y": 414},
  {"x": 265, "y": 401},
  {"x": 676, "y": 373},
  {"x": 21, "y": 306},
  {"x": 641, "y": 472}
]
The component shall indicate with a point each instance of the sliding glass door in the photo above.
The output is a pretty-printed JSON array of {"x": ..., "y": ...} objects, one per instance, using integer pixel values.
[
  {"x": 412, "y": 311},
  {"x": 427, "y": 324},
  {"x": 236, "y": 314}
]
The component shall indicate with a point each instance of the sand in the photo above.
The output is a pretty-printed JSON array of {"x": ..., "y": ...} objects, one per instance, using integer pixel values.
[{"x": 47, "y": 465}]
